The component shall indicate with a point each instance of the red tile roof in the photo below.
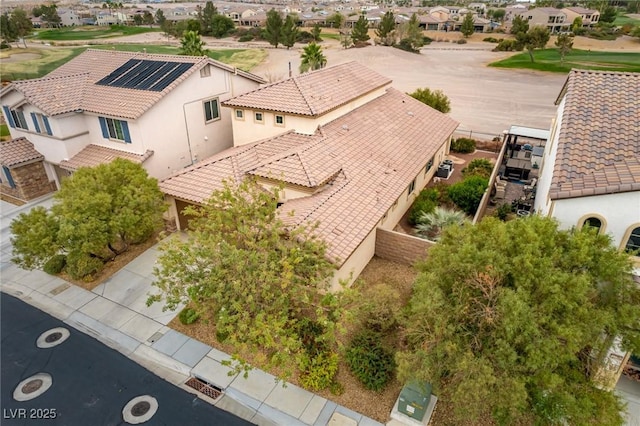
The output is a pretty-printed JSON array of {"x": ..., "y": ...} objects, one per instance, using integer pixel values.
[
  {"x": 313, "y": 93},
  {"x": 18, "y": 152},
  {"x": 71, "y": 87},
  {"x": 371, "y": 155},
  {"x": 94, "y": 155},
  {"x": 599, "y": 139}
]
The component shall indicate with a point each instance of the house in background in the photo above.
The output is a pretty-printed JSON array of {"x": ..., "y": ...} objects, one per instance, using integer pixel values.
[
  {"x": 159, "y": 110},
  {"x": 590, "y": 172},
  {"x": 351, "y": 152},
  {"x": 590, "y": 17},
  {"x": 554, "y": 20}
]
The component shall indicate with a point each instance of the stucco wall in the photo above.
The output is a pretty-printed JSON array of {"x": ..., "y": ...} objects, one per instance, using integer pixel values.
[
  {"x": 542, "y": 202},
  {"x": 401, "y": 248},
  {"x": 354, "y": 265}
]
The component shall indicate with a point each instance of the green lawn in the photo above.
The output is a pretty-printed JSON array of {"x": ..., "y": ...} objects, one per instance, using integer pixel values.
[
  {"x": 549, "y": 60},
  {"x": 4, "y": 131},
  {"x": 90, "y": 32},
  {"x": 624, "y": 19},
  {"x": 51, "y": 59}
]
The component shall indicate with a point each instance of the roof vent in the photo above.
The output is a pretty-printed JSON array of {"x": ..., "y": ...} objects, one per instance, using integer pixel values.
[
  {"x": 345, "y": 127},
  {"x": 410, "y": 113}
]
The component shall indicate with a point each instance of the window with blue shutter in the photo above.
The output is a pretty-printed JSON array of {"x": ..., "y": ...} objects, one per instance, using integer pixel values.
[
  {"x": 9, "y": 116},
  {"x": 7, "y": 174},
  {"x": 46, "y": 125},
  {"x": 115, "y": 129},
  {"x": 35, "y": 121},
  {"x": 41, "y": 123}
]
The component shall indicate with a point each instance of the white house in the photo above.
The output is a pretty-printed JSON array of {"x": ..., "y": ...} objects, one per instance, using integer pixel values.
[
  {"x": 351, "y": 151},
  {"x": 160, "y": 110},
  {"x": 590, "y": 173}
]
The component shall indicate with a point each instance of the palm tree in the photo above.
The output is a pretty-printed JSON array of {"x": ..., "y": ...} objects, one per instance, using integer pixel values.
[
  {"x": 432, "y": 224},
  {"x": 312, "y": 58},
  {"x": 192, "y": 45}
]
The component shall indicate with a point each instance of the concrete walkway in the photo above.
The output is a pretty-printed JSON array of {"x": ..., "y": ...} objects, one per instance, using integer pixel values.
[{"x": 115, "y": 313}]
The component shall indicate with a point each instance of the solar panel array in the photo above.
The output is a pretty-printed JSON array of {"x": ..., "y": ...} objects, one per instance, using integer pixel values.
[{"x": 145, "y": 75}]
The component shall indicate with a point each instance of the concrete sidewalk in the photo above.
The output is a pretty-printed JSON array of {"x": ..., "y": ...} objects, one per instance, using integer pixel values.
[{"x": 115, "y": 313}]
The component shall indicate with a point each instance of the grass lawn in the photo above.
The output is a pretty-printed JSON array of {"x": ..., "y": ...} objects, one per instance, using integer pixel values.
[
  {"x": 50, "y": 59},
  {"x": 90, "y": 32},
  {"x": 549, "y": 60},
  {"x": 4, "y": 132},
  {"x": 624, "y": 19}
]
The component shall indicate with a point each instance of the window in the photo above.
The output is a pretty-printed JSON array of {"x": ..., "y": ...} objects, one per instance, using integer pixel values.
[
  {"x": 41, "y": 123},
  {"x": 205, "y": 72},
  {"x": 592, "y": 222},
  {"x": 15, "y": 118},
  {"x": 259, "y": 117},
  {"x": 211, "y": 110},
  {"x": 633, "y": 243},
  {"x": 6, "y": 173},
  {"x": 239, "y": 114},
  {"x": 115, "y": 129},
  {"x": 279, "y": 120},
  {"x": 412, "y": 187},
  {"x": 429, "y": 166}
]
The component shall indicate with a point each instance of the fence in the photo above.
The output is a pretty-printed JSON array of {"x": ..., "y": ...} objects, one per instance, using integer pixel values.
[{"x": 401, "y": 248}]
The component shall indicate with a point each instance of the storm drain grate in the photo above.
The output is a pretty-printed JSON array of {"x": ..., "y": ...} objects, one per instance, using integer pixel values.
[{"x": 203, "y": 387}]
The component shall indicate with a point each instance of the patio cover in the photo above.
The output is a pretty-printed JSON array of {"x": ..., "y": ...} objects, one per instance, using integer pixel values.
[{"x": 529, "y": 132}]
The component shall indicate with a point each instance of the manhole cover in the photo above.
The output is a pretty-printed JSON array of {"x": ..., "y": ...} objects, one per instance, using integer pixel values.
[
  {"x": 140, "y": 409},
  {"x": 32, "y": 387},
  {"x": 53, "y": 337}
]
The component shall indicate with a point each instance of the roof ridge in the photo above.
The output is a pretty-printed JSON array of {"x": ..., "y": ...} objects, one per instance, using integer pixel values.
[{"x": 306, "y": 101}]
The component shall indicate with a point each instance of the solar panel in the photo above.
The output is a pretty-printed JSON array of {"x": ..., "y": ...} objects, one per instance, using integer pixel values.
[{"x": 145, "y": 75}]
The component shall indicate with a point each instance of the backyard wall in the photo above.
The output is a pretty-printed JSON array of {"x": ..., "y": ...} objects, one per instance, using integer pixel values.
[{"x": 399, "y": 247}]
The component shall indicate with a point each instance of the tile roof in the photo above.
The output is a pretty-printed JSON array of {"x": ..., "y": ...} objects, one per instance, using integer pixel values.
[
  {"x": 18, "y": 152},
  {"x": 599, "y": 137},
  {"x": 94, "y": 155},
  {"x": 313, "y": 93},
  {"x": 370, "y": 155},
  {"x": 71, "y": 87}
]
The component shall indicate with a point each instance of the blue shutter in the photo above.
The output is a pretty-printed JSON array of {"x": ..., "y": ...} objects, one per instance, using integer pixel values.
[
  {"x": 7, "y": 113},
  {"x": 125, "y": 130},
  {"x": 35, "y": 121},
  {"x": 103, "y": 126},
  {"x": 46, "y": 125},
  {"x": 7, "y": 173}
]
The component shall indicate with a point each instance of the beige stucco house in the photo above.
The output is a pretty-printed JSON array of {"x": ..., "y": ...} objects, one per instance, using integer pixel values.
[
  {"x": 589, "y": 17},
  {"x": 351, "y": 151},
  {"x": 162, "y": 111},
  {"x": 554, "y": 20}
]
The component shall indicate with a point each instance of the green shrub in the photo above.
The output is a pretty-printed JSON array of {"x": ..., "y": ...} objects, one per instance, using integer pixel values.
[
  {"x": 55, "y": 265},
  {"x": 188, "y": 316},
  {"x": 369, "y": 361},
  {"x": 405, "y": 44},
  {"x": 426, "y": 201},
  {"x": 426, "y": 40},
  {"x": 468, "y": 193},
  {"x": 508, "y": 45},
  {"x": 319, "y": 371},
  {"x": 503, "y": 211},
  {"x": 378, "y": 308},
  {"x": 245, "y": 38},
  {"x": 83, "y": 266},
  {"x": 491, "y": 40},
  {"x": 305, "y": 37},
  {"x": 478, "y": 167},
  {"x": 463, "y": 145},
  {"x": 221, "y": 336},
  {"x": 461, "y": 41}
]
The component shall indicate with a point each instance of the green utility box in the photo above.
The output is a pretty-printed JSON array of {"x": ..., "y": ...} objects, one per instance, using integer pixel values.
[{"x": 414, "y": 399}]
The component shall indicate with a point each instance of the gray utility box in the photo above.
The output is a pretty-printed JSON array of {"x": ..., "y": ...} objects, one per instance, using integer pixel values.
[{"x": 414, "y": 399}]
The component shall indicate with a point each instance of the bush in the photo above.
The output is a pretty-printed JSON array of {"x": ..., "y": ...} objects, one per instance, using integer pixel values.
[
  {"x": 378, "y": 308},
  {"x": 188, "y": 316},
  {"x": 461, "y": 41},
  {"x": 426, "y": 40},
  {"x": 463, "y": 145},
  {"x": 426, "y": 201},
  {"x": 503, "y": 211},
  {"x": 305, "y": 37},
  {"x": 405, "y": 44},
  {"x": 83, "y": 266},
  {"x": 55, "y": 265},
  {"x": 468, "y": 193},
  {"x": 508, "y": 45},
  {"x": 369, "y": 361},
  {"x": 491, "y": 40},
  {"x": 319, "y": 371},
  {"x": 478, "y": 167},
  {"x": 245, "y": 38}
]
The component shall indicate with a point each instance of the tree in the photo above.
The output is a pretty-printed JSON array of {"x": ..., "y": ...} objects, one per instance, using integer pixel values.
[
  {"x": 48, "y": 14},
  {"x": 436, "y": 99},
  {"x": 7, "y": 29},
  {"x": 316, "y": 31},
  {"x": 498, "y": 14},
  {"x": 411, "y": 34},
  {"x": 98, "y": 212},
  {"x": 312, "y": 58},
  {"x": 336, "y": 20},
  {"x": 21, "y": 24},
  {"x": 510, "y": 320},
  {"x": 264, "y": 286},
  {"x": 205, "y": 17},
  {"x": 468, "y": 193},
  {"x": 636, "y": 32},
  {"x": 536, "y": 38},
  {"x": 576, "y": 25},
  {"x": 519, "y": 25},
  {"x": 608, "y": 14},
  {"x": 431, "y": 224},
  {"x": 191, "y": 44},
  {"x": 385, "y": 31},
  {"x": 345, "y": 38},
  {"x": 289, "y": 32},
  {"x": 147, "y": 18},
  {"x": 221, "y": 25},
  {"x": 360, "y": 31},
  {"x": 273, "y": 28},
  {"x": 138, "y": 19},
  {"x": 564, "y": 43},
  {"x": 467, "y": 28},
  {"x": 160, "y": 18}
]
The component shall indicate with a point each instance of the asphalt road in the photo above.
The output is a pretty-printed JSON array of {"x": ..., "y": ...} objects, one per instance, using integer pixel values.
[{"x": 91, "y": 383}]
